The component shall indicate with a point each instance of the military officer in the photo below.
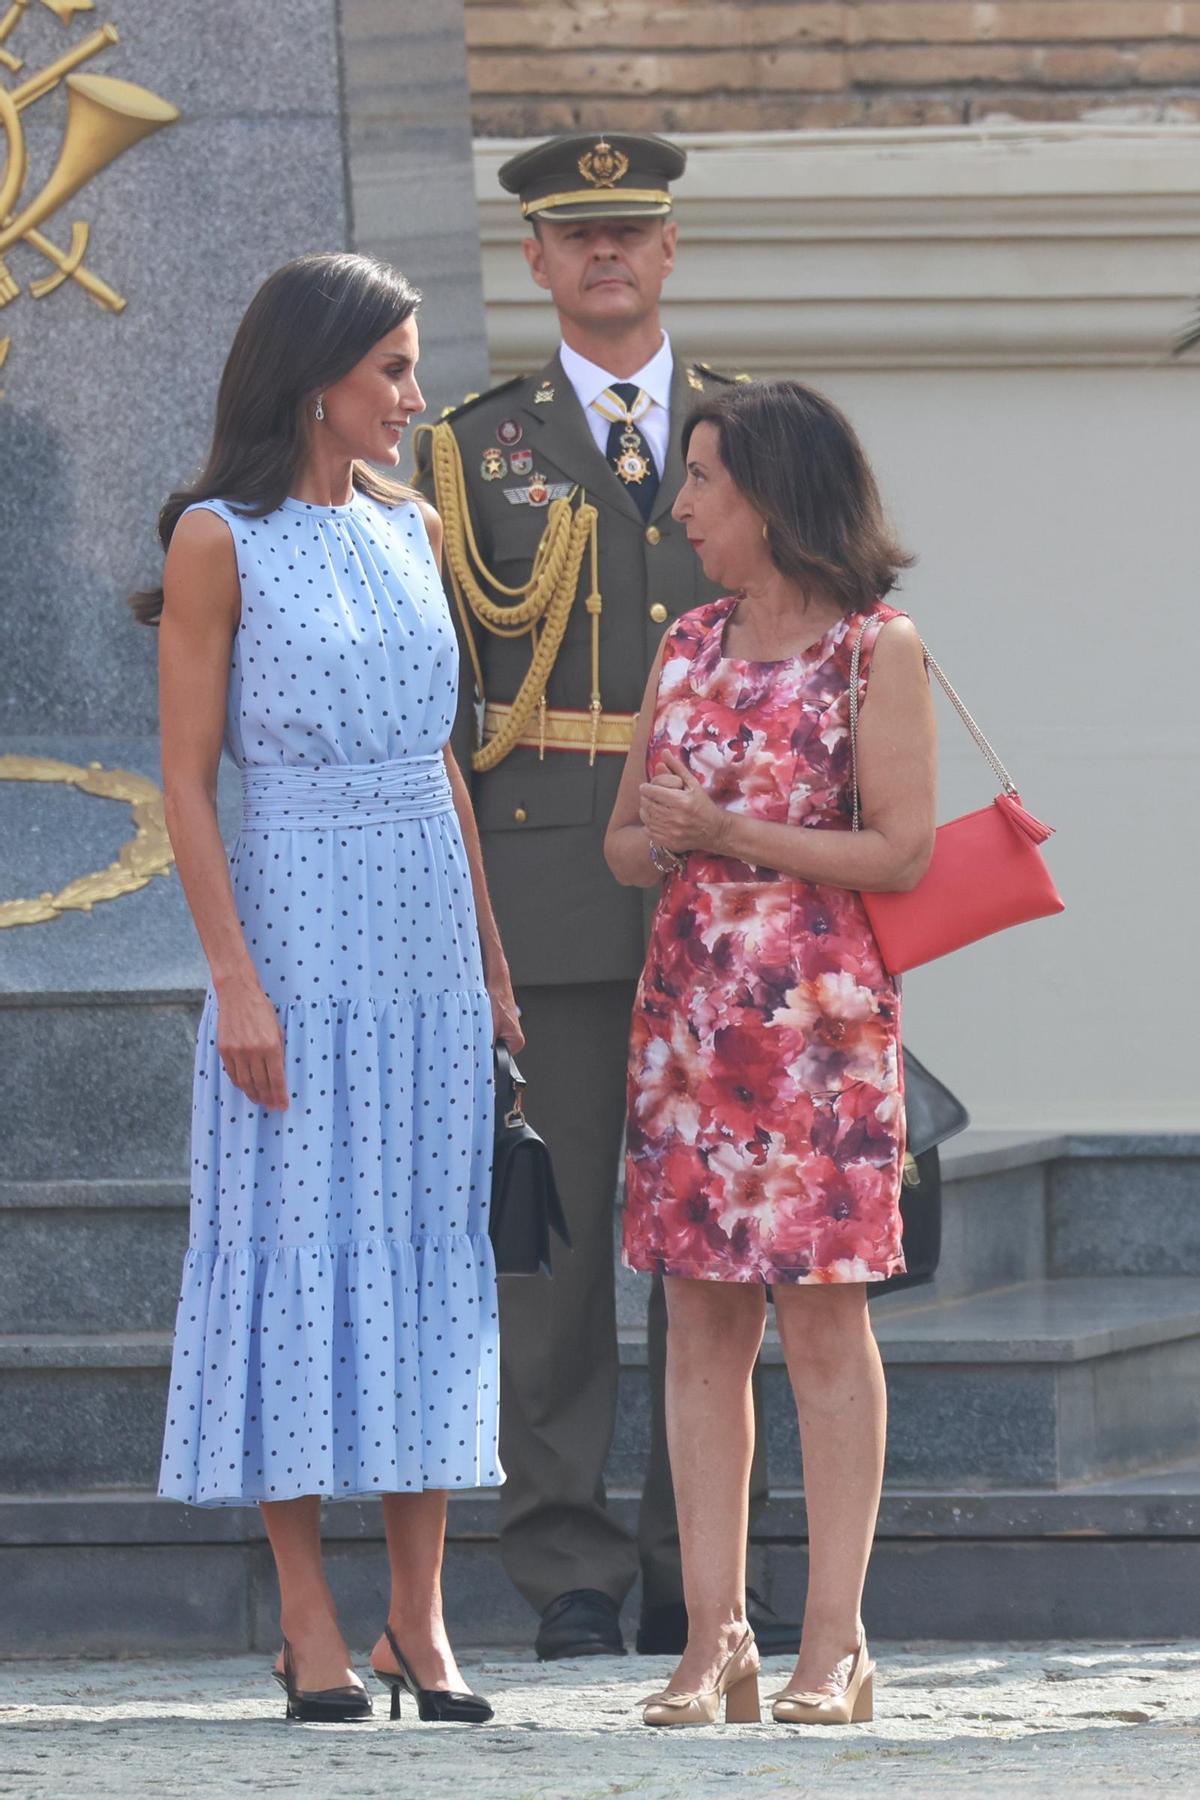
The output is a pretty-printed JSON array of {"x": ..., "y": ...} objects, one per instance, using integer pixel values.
[{"x": 564, "y": 568}]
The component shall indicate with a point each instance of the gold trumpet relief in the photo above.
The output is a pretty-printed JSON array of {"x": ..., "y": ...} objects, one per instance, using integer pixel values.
[
  {"x": 104, "y": 118},
  {"x": 143, "y": 856}
]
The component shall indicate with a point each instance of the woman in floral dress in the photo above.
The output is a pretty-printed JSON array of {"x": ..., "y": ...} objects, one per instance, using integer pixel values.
[{"x": 766, "y": 1106}]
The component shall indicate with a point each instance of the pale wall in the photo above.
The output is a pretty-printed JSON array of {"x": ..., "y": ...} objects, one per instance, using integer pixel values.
[{"x": 994, "y": 311}]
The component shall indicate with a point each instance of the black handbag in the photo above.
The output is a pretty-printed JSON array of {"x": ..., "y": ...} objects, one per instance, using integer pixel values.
[
  {"x": 933, "y": 1114},
  {"x": 525, "y": 1204}
]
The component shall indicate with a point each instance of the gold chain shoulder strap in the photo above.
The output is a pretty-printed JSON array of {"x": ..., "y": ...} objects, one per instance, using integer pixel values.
[
  {"x": 959, "y": 705},
  {"x": 544, "y": 602}
]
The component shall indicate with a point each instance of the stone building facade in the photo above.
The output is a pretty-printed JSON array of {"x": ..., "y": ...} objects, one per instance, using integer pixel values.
[{"x": 538, "y": 66}]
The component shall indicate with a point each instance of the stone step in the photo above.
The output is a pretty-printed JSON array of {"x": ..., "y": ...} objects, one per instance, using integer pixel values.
[
  {"x": 1044, "y": 1383},
  {"x": 97, "y": 1255},
  {"x": 84, "y": 1411},
  {"x": 86, "y": 1574},
  {"x": 1036, "y": 1385},
  {"x": 90, "y": 1256},
  {"x": 1132, "y": 1213},
  {"x": 96, "y": 1086}
]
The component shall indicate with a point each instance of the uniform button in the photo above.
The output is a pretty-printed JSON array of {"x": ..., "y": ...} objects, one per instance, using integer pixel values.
[
  {"x": 520, "y": 815},
  {"x": 658, "y": 613},
  {"x": 653, "y": 534}
]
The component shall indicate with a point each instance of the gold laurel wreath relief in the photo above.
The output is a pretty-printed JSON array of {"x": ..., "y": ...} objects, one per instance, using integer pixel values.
[
  {"x": 105, "y": 117},
  {"x": 145, "y": 855}
]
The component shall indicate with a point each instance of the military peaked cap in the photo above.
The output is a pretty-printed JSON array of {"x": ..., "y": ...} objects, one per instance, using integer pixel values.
[{"x": 590, "y": 175}]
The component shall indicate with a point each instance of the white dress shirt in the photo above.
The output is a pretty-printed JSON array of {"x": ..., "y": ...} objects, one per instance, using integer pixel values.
[{"x": 590, "y": 381}]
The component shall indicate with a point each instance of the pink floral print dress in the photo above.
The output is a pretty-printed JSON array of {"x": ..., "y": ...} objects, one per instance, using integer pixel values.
[{"x": 765, "y": 1136}]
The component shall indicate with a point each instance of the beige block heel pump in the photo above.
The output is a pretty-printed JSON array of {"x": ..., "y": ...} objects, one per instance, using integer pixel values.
[
  {"x": 855, "y": 1705},
  {"x": 736, "y": 1685}
]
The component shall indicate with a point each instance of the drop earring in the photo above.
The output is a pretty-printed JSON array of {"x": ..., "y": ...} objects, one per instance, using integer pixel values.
[
  {"x": 765, "y": 531},
  {"x": 319, "y": 414}
]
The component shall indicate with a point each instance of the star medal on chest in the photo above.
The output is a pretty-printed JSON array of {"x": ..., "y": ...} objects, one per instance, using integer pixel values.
[
  {"x": 631, "y": 465},
  {"x": 493, "y": 466}
]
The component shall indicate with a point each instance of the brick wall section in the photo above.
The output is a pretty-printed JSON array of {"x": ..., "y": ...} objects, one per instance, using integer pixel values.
[{"x": 538, "y": 66}]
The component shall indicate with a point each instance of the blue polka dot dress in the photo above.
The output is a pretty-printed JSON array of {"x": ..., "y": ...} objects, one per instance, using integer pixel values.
[{"x": 336, "y": 1331}]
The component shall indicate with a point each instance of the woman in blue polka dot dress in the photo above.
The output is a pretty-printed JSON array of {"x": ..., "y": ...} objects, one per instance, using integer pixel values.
[{"x": 336, "y": 1334}]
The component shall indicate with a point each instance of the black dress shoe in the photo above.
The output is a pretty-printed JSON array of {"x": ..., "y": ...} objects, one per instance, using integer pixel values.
[
  {"x": 581, "y": 1623},
  {"x": 662, "y": 1630}
]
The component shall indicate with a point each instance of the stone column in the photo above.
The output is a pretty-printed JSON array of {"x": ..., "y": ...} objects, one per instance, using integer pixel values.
[{"x": 410, "y": 177}]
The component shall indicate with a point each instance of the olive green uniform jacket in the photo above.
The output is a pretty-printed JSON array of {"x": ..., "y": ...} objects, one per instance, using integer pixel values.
[{"x": 562, "y": 916}]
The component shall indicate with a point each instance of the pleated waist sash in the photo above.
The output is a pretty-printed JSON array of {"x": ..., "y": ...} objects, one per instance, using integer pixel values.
[{"x": 332, "y": 796}]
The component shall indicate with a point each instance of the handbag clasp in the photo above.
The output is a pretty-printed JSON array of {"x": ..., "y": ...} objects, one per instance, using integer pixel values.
[{"x": 516, "y": 1114}]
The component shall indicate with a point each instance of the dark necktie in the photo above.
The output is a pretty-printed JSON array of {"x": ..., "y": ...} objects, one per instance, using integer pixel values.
[{"x": 629, "y": 455}]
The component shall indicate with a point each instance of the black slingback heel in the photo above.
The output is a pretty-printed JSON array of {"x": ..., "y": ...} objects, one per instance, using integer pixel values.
[
  {"x": 433, "y": 1704},
  {"x": 323, "y": 1706}
]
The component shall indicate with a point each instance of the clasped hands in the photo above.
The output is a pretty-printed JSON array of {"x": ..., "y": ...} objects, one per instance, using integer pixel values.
[{"x": 678, "y": 814}]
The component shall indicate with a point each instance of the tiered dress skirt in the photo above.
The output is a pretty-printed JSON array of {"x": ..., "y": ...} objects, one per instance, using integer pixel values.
[{"x": 337, "y": 1329}]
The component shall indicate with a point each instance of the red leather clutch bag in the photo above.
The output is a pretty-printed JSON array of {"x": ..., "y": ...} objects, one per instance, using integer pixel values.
[{"x": 986, "y": 872}]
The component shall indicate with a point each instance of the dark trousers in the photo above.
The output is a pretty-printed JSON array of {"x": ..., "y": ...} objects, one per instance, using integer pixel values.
[{"x": 558, "y": 1337}]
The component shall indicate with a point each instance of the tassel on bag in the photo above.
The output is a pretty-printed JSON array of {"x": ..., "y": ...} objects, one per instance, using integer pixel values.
[
  {"x": 986, "y": 872},
  {"x": 1015, "y": 813}
]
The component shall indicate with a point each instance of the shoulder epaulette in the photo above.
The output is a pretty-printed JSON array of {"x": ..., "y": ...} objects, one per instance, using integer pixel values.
[
  {"x": 470, "y": 401},
  {"x": 712, "y": 374}
]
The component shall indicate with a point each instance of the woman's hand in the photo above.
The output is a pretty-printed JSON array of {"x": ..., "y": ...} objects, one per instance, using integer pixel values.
[
  {"x": 677, "y": 812},
  {"x": 506, "y": 1014},
  {"x": 250, "y": 1043}
]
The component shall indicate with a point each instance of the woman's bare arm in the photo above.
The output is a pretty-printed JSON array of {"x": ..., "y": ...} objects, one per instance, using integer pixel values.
[
  {"x": 897, "y": 768},
  {"x": 627, "y": 842},
  {"x": 201, "y": 602},
  {"x": 505, "y": 1016}
]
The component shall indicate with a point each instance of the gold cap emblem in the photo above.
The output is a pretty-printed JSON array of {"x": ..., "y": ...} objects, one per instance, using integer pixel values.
[{"x": 602, "y": 165}]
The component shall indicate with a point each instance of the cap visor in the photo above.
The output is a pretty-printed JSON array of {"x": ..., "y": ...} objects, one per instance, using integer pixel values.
[{"x": 605, "y": 209}]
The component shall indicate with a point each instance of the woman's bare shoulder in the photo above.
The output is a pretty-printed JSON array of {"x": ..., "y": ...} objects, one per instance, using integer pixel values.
[
  {"x": 898, "y": 644},
  {"x": 200, "y": 573},
  {"x": 204, "y": 533}
]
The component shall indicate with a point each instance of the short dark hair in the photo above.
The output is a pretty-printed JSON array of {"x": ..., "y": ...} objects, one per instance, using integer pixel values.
[
  {"x": 307, "y": 326},
  {"x": 798, "y": 460}
]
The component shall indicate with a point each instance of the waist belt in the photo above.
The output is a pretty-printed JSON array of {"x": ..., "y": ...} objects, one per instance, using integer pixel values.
[
  {"x": 557, "y": 728},
  {"x": 334, "y": 795}
]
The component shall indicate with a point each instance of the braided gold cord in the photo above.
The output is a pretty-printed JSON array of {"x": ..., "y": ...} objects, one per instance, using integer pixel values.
[
  {"x": 462, "y": 550},
  {"x": 554, "y": 624},
  {"x": 544, "y": 601}
]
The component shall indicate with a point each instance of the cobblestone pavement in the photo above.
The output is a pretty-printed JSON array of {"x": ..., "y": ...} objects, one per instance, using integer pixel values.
[{"x": 979, "y": 1721}]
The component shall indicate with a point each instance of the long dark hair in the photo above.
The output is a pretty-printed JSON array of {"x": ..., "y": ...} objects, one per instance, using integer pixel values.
[
  {"x": 798, "y": 461},
  {"x": 306, "y": 327}
]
